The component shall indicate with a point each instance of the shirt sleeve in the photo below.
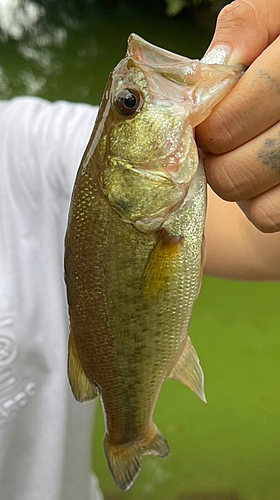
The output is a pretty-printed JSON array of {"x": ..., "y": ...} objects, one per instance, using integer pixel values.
[{"x": 43, "y": 143}]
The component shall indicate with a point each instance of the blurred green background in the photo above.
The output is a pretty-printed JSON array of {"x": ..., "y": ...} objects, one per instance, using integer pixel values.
[{"x": 228, "y": 449}]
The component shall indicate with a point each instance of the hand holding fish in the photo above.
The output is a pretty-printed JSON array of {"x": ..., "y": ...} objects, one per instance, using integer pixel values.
[{"x": 242, "y": 135}]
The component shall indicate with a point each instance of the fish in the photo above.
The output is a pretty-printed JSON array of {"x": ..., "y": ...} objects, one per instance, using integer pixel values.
[{"x": 134, "y": 246}]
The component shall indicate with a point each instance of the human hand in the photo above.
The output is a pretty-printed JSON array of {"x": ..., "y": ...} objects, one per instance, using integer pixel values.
[{"x": 242, "y": 135}]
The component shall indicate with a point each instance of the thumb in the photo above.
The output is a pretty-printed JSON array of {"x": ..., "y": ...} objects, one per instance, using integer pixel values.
[{"x": 244, "y": 29}]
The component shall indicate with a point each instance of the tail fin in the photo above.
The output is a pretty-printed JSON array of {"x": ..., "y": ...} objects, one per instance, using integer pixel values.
[{"x": 124, "y": 460}]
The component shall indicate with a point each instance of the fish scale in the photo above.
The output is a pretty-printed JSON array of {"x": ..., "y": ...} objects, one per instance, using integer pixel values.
[{"x": 133, "y": 248}]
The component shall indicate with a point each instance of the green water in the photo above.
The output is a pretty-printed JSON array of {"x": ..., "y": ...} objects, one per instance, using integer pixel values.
[
  {"x": 229, "y": 448},
  {"x": 69, "y": 51}
]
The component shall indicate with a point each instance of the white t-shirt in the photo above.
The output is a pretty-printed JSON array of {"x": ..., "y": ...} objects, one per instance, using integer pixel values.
[{"x": 45, "y": 435}]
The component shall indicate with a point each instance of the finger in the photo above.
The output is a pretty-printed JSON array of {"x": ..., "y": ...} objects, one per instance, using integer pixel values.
[
  {"x": 264, "y": 210},
  {"x": 247, "y": 27},
  {"x": 251, "y": 107},
  {"x": 248, "y": 170}
]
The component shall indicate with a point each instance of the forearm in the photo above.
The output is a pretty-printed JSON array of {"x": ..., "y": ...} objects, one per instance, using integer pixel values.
[{"x": 235, "y": 249}]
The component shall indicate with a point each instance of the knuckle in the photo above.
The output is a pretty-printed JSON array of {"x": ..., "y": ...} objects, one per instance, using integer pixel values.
[
  {"x": 221, "y": 180},
  {"x": 222, "y": 129},
  {"x": 264, "y": 216},
  {"x": 237, "y": 14}
]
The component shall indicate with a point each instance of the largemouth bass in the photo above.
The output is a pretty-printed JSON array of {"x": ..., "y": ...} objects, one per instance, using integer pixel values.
[{"x": 134, "y": 245}]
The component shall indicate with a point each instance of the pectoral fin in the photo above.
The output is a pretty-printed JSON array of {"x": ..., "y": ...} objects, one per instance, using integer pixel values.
[
  {"x": 188, "y": 370},
  {"x": 162, "y": 264},
  {"x": 82, "y": 388}
]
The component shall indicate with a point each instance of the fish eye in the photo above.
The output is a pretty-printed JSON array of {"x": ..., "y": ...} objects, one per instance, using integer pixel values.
[{"x": 128, "y": 101}]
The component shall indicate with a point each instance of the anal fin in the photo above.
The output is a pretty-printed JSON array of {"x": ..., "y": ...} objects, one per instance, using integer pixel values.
[
  {"x": 82, "y": 388},
  {"x": 188, "y": 370}
]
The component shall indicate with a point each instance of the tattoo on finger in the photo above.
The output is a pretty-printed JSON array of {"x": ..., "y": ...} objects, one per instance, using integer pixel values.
[{"x": 269, "y": 154}]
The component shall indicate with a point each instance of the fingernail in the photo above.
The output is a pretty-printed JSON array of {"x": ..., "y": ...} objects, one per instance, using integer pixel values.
[
  {"x": 220, "y": 54},
  {"x": 235, "y": 58}
]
